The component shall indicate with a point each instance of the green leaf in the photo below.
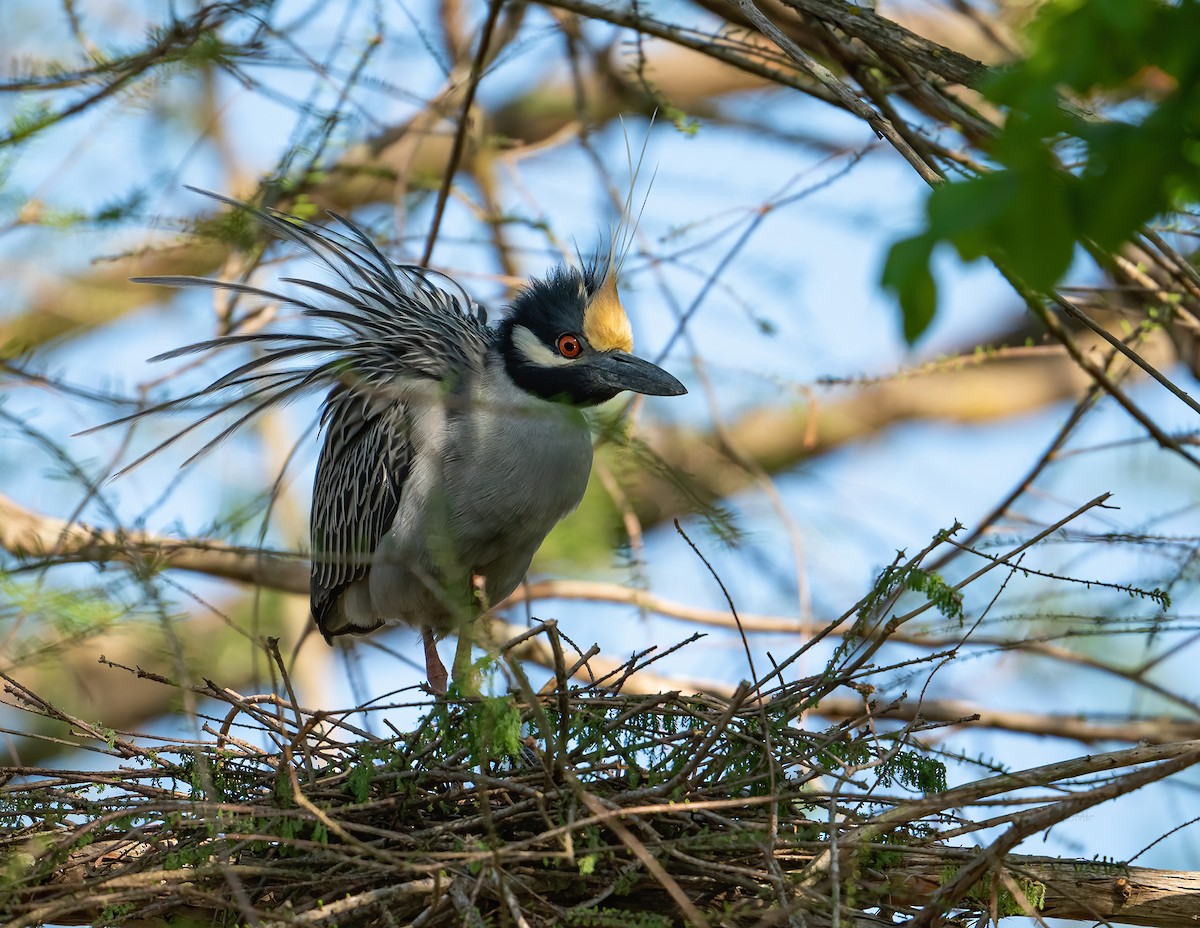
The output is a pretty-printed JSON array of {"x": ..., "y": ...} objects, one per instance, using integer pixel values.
[
  {"x": 906, "y": 273},
  {"x": 1038, "y": 231},
  {"x": 968, "y": 212}
]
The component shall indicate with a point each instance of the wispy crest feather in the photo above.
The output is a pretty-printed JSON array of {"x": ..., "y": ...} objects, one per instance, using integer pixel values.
[
  {"x": 627, "y": 224},
  {"x": 387, "y": 318},
  {"x": 608, "y": 261}
]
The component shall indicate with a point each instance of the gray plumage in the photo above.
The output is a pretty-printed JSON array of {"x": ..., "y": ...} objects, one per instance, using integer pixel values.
[
  {"x": 450, "y": 449},
  {"x": 424, "y": 491}
]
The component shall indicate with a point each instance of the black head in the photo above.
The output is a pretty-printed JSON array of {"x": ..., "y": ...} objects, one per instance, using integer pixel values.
[{"x": 567, "y": 338}]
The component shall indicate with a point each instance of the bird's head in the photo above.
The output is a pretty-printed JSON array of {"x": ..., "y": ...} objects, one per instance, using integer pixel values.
[{"x": 566, "y": 337}]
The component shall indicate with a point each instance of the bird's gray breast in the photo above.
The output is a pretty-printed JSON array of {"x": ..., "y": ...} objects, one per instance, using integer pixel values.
[
  {"x": 493, "y": 470},
  {"x": 514, "y": 466}
]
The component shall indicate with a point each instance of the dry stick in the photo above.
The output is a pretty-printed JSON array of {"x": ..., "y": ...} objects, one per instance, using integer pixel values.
[
  {"x": 973, "y": 793},
  {"x": 1156, "y": 730},
  {"x": 716, "y": 46},
  {"x": 1081, "y": 408},
  {"x": 701, "y": 752},
  {"x": 27, "y": 533},
  {"x": 1034, "y": 302},
  {"x": 600, "y": 591},
  {"x": 728, "y": 599},
  {"x": 392, "y": 860},
  {"x": 539, "y": 713},
  {"x": 273, "y": 651},
  {"x": 347, "y": 905},
  {"x": 581, "y": 663},
  {"x": 649, "y": 861},
  {"x": 720, "y": 432},
  {"x": 840, "y": 53},
  {"x": 119, "y": 746},
  {"x": 843, "y": 94},
  {"x": 460, "y": 135},
  {"x": 1085, "y": 404},
  {"x": 561, "y": 678},
  {"x": 1180, "y": 268},
  {"x": 878, "y": 610},
  {"x": 883, "y": 35},
  {"x": 180, "y": 36},
  {"x": 616, "y": 593},
  {"x": 768, "y": 747},
  {"x": 1069, "y": 307},
  {"x": 1029, "y": 823},
  {"x": 1004, "y": 559},
  {"x": 514, "y": 907}
]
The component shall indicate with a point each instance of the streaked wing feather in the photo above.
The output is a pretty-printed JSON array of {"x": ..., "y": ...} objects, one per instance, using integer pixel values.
[{"x": 360, "y": 477}]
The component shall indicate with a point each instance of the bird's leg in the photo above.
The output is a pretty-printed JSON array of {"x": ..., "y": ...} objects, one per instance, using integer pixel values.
[
  {"x": 435, "y": 670},
  {"x": 464, "y": 673}
]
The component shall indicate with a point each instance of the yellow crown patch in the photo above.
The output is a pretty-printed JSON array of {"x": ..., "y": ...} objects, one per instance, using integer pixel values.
[{"x": 605, "y": 325}]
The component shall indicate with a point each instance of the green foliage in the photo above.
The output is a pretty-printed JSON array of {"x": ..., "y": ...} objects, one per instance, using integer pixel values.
[
  {"x": 31, "y": 117},
  {"x": 685, "y": 124},
  {"x": 304, "y": 208},
  {"x": 1034, "y": 892},
  {"x": 1140, "y": 159},
  {"x": 495, "y": 726},
  {"x": 115, "y": 913},
  {"x": 945, "y": 599},
  {"x": 233, "y": 227},
  {"x": 285, "y": 797},
  {"x": 914, "y": 770},
  {"x": 906, "y": 273},
  {"x": 940, "y": 594},
  {"x": 228, "y": 803},
  {"x": 362, "y": 772},
  {"x": 185, "y": 857},
  {"x": 909, "y": 768},
  {"x": 110, "y": 213},
  {"x": 119, "y": 209},
  {"x": 47, "y": 615},
  {"x": 486, "y": 728}
]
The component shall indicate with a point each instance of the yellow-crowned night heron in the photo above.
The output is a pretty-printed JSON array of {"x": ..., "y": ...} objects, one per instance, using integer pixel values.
[{"x": 451, "y": 448}]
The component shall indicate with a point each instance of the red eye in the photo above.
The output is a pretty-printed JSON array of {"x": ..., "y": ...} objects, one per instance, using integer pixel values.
[{"x": 568, "y": 346}]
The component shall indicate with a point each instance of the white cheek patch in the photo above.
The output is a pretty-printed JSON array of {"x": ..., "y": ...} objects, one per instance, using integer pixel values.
[{"x": 535, "y": 350}]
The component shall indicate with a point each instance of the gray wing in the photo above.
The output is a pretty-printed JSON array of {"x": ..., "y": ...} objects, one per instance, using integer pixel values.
[
  {"x": 360, "y": 477},
  {"x": 373, "y": 324}
]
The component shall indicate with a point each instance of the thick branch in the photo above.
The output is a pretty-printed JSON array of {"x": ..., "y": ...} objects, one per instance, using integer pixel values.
[
  {"x": 1075, "y": 889},
  {"x": 29, "y": 535}
]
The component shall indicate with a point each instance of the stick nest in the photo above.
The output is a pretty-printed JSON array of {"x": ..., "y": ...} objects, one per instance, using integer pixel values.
[{"x": 583, "y": 806}]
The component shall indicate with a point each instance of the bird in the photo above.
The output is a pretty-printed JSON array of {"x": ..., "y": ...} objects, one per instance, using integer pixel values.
[{"x": 450, "y": 447}]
